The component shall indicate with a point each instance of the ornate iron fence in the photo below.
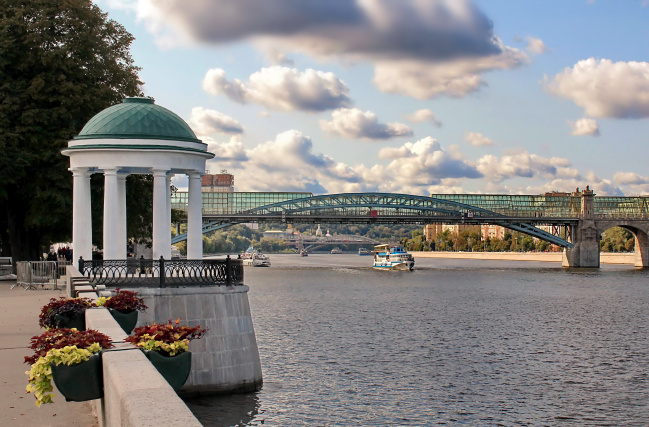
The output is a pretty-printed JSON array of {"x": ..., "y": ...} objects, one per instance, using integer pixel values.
[{"x": 163, "y": 273}]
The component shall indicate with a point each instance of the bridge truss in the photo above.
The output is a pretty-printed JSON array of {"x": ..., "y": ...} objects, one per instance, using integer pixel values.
[{"x": 522, "y": 213}]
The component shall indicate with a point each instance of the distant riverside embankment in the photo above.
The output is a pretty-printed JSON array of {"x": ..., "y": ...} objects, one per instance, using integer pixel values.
[{"x": 605, "y": 257}]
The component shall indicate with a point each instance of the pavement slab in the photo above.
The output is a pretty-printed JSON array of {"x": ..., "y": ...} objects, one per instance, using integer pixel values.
[{"x": 19, "y": 311}]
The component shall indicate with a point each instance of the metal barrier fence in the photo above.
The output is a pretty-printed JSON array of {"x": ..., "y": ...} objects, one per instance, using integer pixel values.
[
  {"x": 61, "y": 265},
  {"x": 163, "y": 273},
  {"x": 36, "y": 274}
]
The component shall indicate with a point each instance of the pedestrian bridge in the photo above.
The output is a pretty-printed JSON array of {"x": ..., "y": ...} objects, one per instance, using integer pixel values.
[{"x": 568, "y": 220}]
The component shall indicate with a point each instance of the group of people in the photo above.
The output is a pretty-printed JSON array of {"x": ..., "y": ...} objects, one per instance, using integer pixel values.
[{"x": 62, "y": 253}]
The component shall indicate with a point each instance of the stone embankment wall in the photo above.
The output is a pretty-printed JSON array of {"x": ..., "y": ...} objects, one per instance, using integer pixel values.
[{"x": 226, "y": 359}]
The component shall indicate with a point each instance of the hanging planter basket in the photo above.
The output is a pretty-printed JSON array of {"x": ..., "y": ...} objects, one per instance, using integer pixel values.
[
  {"x": 78, "y": 321},
  {"x": 126, "y": 321},
  {"x": 81, "y": 382},
  {"x": 174, "y": 369}
]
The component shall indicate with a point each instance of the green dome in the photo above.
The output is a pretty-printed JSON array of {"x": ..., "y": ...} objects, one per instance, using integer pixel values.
[{"x": 137, "y": 118}]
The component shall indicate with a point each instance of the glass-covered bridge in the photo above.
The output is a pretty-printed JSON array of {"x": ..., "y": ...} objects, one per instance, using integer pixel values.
[{"x": 517, "y": 212}]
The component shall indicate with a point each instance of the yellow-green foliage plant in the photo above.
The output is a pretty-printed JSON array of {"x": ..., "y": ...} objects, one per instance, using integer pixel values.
[
  {"x": 168, "y": 339},
  {"x": 59, "y": 346}
]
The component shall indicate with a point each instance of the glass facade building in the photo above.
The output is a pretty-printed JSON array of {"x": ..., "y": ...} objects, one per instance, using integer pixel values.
[{"x": 215, "y": 203}]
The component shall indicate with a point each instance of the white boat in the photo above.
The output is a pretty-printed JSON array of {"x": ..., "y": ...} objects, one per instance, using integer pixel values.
[
  {"x": 364, "y": 251},
  {"x": 392, "y": 258},
  {"x": 252, "y": 257},
  {"x": 336, "y": 251}
]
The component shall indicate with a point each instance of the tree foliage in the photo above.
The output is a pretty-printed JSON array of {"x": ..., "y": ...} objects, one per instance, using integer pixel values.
[{"x": 61, "y": 62}]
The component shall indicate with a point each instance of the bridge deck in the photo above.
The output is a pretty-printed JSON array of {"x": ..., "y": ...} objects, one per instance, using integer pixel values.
[{"x": 513, "y": 206}]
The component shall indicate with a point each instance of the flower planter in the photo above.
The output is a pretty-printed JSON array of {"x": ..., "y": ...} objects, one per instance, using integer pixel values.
[
  {"x": 174, "y": 369},
  {"x": 126, "y": 321},
  {"x": 81, "y": 382},
  {"x": 78, "y": 321}
]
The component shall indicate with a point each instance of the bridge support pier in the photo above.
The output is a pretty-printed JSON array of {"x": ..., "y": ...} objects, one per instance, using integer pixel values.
[
  {"x": 585, "y": 253},
  {"x": 585, "y": 236},
  {"x": 641, "y": 249}
]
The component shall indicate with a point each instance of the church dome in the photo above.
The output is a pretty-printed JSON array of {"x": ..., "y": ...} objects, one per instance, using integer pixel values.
[{"x": 137, "y": 118}]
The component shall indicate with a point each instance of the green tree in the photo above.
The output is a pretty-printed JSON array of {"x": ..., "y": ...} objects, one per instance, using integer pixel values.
[{"x": 61, "y": 62}]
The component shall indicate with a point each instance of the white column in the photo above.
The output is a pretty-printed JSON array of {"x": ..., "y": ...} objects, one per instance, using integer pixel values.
[
  {"x": 161, "y": 221},
  {"x": 169, "y": 176},
  {"x": 195, "y": 217},
  {"x": 120, "y": 227},
  {"x": 111, "y": 214},
  {"x": 81, "y": 215}
]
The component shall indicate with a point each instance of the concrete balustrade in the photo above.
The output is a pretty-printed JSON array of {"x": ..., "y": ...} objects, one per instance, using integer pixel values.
[{"x": 135, "y": 394}]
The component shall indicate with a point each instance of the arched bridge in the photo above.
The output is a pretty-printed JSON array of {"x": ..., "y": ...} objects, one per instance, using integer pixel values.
[
  {"x": 574, "y": 221},
  {"x": 385, "y": 208}
]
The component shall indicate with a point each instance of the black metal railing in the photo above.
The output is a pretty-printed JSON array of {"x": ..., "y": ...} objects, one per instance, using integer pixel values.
[{"x": 163, "y": 273}]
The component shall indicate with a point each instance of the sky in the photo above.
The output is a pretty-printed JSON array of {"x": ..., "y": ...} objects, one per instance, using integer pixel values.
[{"x": 405, "y": 96}]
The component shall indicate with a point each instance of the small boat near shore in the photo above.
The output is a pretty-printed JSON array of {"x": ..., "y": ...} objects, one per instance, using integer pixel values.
[
  {"x": 304, "y": 252},
  {"x": 252, "y": 257},
  {"x": 336, "y": 251},
  {"x": 388, "y": 257}
]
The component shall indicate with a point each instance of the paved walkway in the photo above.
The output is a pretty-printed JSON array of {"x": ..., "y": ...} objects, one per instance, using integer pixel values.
[{"x": 19, "y": 311}]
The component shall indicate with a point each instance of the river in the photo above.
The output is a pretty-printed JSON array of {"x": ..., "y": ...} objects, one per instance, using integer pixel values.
[{"x": 455, "y": 342}]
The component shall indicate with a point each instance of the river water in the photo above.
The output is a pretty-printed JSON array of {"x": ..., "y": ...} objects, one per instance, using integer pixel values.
[{"x": 455, "y": 342}]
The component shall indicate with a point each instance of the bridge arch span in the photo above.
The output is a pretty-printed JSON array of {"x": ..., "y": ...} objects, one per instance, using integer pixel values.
[
  {"x": 640, "y": 231},
  {"x": 386, "y": 208}
]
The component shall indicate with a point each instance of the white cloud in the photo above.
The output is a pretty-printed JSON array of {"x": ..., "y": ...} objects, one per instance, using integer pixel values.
[
  {"x": 286, "y": 163},
  {"x": 419, "y": 164},
  {"x": 604, "y": 88},
  {"x": 282, "y": 88},
  {"x": 584, "y": 126},
  {"x": 624, "y": 178},
  {"x": 424, "y": 115},
  {"x": 637, "y": 183},
  {"x": 354, "y": 123},
  {"x": 523, "y": 164},
  {"x": 456, "y": 77},
  {"x": 478, "y": 140},
  {"x": 208, "y": 122},
  {"x": 289, "y": 163},
  {"x": 536, "y": 46},
  {"x": 434, "y": 47},
  {"x": 230, "y": 152}
]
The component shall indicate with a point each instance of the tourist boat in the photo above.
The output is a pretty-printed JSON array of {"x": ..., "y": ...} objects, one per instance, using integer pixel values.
[
  {"x": 364, "y": 251},
  {"x": 304, "y": 252},
  {"x": 252, "y": 257},
  {"x": 388, "y": 257},
  {"x": 336, "y": 251}
]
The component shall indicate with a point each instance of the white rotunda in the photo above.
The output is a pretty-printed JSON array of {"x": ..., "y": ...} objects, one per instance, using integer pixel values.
[{"x": 135, "y": 137}]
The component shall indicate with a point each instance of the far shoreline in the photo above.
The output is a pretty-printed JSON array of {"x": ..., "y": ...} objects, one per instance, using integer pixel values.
[{"x": 605, "y": 257}]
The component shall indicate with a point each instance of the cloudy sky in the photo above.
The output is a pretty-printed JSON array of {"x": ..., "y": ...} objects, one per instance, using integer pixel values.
[{"x": 407, "y": 96}]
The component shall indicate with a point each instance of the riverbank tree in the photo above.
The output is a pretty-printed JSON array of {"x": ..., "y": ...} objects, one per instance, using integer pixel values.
[{"x": 61, "y": 62}]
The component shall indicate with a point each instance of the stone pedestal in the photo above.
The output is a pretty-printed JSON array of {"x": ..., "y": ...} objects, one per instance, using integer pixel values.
[{"x": 226, "y": 359}]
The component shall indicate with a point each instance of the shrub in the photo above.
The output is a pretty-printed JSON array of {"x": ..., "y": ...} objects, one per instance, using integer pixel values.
[
  {"x": 123, "y": 301},
  {"x": 66, "y": 307},
  {"x": 168, "y": 339}
]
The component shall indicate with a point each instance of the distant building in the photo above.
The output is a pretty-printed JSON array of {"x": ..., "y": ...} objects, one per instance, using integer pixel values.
[
  {"x": 493, "y": 231},
  {"x": 274, "y": 234},
  {"x": 432, "y": 230},
  {"x": 219, "y": 183}
]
